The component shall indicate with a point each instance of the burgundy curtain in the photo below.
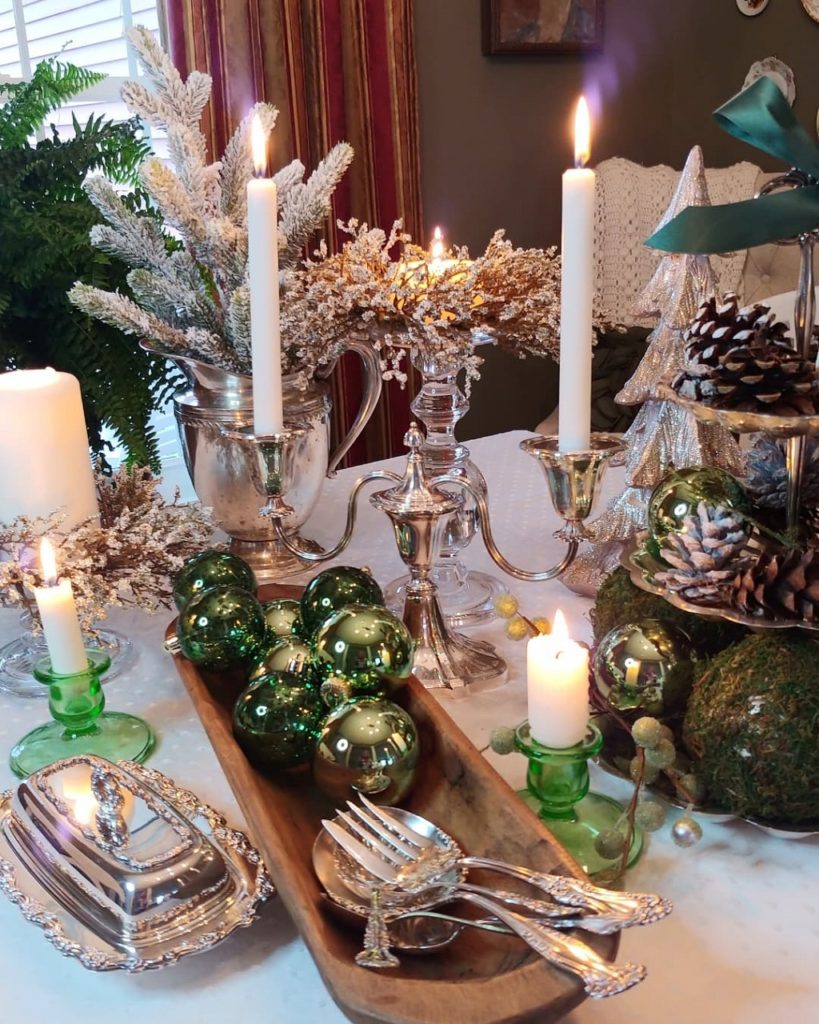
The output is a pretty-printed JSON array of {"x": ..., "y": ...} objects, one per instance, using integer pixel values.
[{"x": 336, "y": 69}]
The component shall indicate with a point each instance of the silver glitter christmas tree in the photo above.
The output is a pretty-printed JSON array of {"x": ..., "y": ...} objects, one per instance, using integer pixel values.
[{"x": 663, "y": 436}]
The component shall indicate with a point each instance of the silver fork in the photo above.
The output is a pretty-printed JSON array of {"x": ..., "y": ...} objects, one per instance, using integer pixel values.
[
  {"x": 600, "y": 978},
  {"x": 558, "y": 915},
  {"x": 630, "y": 908}
]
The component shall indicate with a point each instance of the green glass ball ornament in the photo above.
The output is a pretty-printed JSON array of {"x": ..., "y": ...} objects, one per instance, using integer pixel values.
[
  {"x": 369, "y": 746},
  {"x": 678, "y": 495},
  {"x": 334, "y": 589},
  {"x": 644, "y": 666},
  {"x": 282, "y": 616},
  {"x": 286, "y": 654},
  {"x": 336, "y": 690},
  {"x": 211, "y": 569},
  {"x": 363, "y": 643},
  {"x": 221, "y": 628},
  {"x": 277, "y": 720}
]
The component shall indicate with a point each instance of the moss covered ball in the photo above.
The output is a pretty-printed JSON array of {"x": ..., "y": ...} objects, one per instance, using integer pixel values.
[
  {"x": 619, "y": 601},
  {"x": 752, "y": 723}
]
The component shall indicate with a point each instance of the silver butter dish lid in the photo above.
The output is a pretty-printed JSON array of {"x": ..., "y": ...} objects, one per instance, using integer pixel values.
[{"x": 136, "y": 871}]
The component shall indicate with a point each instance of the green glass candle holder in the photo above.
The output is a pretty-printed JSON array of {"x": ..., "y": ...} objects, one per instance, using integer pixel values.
[
  {"x": 81, "y": 725},
  {"x": 557, "y": 790}
]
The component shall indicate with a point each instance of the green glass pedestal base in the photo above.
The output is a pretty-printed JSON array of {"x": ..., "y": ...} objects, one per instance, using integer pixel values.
[
  {"x": 114, "y": 736},
  {"x": 593, "y": 814},
  {"x": 80, "y": 724},
  {"x": 557, "y": 790}
]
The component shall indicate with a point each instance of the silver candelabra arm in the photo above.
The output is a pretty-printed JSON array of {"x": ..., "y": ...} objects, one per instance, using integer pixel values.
[
  {"x": 573, "y": 479},
  {"x": 278, "y": 519},
  {"x": 489, "y": 541}
]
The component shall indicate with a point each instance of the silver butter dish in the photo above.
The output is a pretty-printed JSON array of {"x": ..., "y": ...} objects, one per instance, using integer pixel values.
[{"x": 123, "y": 870}]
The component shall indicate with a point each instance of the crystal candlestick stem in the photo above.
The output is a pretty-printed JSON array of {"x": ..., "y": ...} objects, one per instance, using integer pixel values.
[
  {"x": 19, "y": 656},
  {"x": 466, "y": 596},
  {"x": 557, "y": 790},
  {"x": 80, "y": 724}
]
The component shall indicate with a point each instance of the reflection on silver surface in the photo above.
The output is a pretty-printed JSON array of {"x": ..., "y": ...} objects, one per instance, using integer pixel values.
[{"x": 121, "y": 869}]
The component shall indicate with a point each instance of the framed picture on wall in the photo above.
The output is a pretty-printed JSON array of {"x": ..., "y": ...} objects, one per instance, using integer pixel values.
[{"x": 541, "y": 26}]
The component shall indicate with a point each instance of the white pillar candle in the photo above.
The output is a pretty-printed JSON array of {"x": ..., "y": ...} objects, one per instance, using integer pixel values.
[
  {"x": 45, "y": 464},
  {"x": 263, "y": 259},
  {"x": 557, "y": 676},
  {"x": 577, "y": 294},
  {"x": 61, "y": 627}
]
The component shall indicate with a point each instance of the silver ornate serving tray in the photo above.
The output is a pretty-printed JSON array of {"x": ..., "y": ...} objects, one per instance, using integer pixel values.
[
  {"x": 741, "y": 421},
  {"x": 122, "y": 869}
]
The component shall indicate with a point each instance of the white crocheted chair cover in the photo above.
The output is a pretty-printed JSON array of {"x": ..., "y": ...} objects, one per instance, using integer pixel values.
[{"x": 629, "y": 201}]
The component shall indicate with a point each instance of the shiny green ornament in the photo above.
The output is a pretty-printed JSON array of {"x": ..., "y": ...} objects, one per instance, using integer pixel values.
[
  {"x": 644, "y": 666},
  {"x": 287, "y": 654},
  {"x": 277, "y": 720},
  {"x": 361, "y": 642},
  {"x": 221, "y": 628},
  {"x": 678, "y": 495},
  {"x": 334, "y": 589},
  {"x": 367, "y": 746},
  {"x": 211, "y": 569},
  {"x": 336, "y": 690},
  {"x": 282, "y": 616}
]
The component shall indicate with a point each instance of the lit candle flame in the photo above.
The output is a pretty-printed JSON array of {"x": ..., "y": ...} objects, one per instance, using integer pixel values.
[
  {"x": 436, "y": 249},
  {"x": 258, "y": 144},
  {"x": 48, "y": 562},
  {"x": 582, "y": 133},
  {"x": 560, "y": 631}
]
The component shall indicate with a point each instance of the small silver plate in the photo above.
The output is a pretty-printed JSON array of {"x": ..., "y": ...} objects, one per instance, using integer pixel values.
[
  {"x": 350, "y": 903},
  {"x": 46, "y": 900}
]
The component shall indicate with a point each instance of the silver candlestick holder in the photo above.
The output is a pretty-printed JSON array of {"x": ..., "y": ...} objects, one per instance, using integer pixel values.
[{"x": 419, "y": 508}]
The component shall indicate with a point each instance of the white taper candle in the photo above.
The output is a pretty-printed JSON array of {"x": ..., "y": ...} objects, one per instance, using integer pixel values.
[
  {"x": 577, "y": 293},
  {"x": 58, "y": 614},
  {"x": 263, "y": 259}
]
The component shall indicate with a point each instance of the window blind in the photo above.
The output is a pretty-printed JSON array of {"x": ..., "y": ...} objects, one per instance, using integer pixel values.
[{"x": 89, "y": 33}]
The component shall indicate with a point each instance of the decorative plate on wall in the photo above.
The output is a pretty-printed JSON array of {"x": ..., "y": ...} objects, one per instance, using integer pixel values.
[
  {"x": 751, "y": 8},
  {"x": 779, "y": 73},
  {"x": 811, "y": 6}
]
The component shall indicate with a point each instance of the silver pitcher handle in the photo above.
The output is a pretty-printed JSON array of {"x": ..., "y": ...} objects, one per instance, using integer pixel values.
[{"x": 372, "y": 392}]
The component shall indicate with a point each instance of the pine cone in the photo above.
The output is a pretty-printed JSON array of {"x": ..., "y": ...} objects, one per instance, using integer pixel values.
[
  {"x": 767, "y": 476},
  {"x": 706, "y": 555},
  {"x": 785, "y": 583},
  {"x": 719, "y": 325},
  {"x": 743, "y": 359}
]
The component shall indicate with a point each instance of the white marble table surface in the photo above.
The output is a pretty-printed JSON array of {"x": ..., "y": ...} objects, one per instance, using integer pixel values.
[{"x": 741, "y": 946}]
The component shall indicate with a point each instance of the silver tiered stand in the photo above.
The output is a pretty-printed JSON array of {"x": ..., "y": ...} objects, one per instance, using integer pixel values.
[
  {"x": 419, "y": 508},
  {"x": 794, "y": 430}
]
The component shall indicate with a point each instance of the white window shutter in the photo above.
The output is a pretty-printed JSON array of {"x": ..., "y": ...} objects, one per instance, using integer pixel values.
[{"x": 89, "y": 33}]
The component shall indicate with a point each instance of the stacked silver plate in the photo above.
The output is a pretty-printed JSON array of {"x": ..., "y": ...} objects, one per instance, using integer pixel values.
[{"x": 123, "y": 870}]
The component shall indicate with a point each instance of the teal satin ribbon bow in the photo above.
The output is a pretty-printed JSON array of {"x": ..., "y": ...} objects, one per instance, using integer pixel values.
[{"x": 761, "y": 116}]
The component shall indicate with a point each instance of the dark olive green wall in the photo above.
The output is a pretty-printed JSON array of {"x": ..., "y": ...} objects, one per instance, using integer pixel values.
[{"x": 495, "y": 131}]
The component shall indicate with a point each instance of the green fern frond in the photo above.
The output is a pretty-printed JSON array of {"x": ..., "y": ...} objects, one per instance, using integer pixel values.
[
  {"x": 46, "y": 218},
  {"x": 27, "y": 104}
]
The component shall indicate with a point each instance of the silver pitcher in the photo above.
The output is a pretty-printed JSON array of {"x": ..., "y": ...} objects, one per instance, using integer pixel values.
[{"x": 224, "y": 469}]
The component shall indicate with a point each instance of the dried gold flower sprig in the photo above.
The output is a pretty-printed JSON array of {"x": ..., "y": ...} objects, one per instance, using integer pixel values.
[
  {"x": 128, "y": 560},
  {"x": 437, "y": 306},
  {"x": 518, "y": 627}
]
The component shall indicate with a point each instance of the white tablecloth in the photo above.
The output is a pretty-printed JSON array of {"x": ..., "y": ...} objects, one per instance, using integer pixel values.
[{"x": 741, "y": 946}]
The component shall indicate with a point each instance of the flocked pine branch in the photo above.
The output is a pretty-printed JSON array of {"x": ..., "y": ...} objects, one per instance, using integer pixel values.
[{"x": 193, "y": 300}]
